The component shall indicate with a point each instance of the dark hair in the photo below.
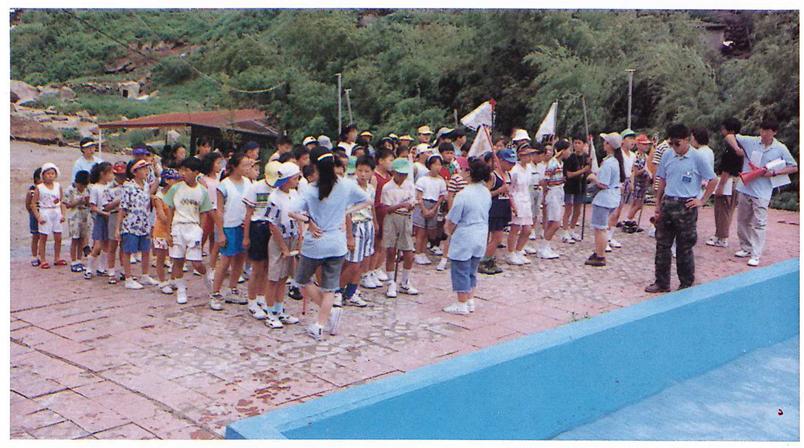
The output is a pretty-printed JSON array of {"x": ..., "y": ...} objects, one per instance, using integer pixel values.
[
  {"x": 203, "y": 141},
  {"x": 446, "y": 147},
  {"x": 365, "y": 160},
  {"x": 479, "y": 171},
  {"x": 618, "y": 154},
  {"x": 83, "y": 142},
  {"x": 359, "y": 148},
  {"x": 286, "y": 157},
  {"x": 346, "y": 130},
  {"x": 308, "y": 170},
  {"x": 769, "y": 123},
  {"x": 701, "y": 135},
  {"x": 97, "y": 170},
  {"x": 37, "y": 174},
  {"x": 580, "y": 137},
  {"x": 284, "y": 140},
  {"x": 192, "y": 164},
  {"x": 82, "y": 177},
  {"x": 732, "y": 125},
  {"x": 430, "y": 159},
  {"x": 383, "y": 153},
  {"x": 235, "y": 160},
  {"x": 300, "y": 152},
  {"x": 129, "y": 165},
  {"x": 208, "y": 162},
  {"x": 678, "y": 131},
  {"x": 324, "y": 162},
  {"x": 400, "y": 150},
  {"x": 561, "y": 145}
]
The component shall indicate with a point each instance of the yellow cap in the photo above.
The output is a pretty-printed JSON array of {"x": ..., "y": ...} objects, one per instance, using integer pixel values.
[
  {"x": 406, "y": 137},
  {"x": 366, "y": 134},
  {"x": 424, "y": 130},
  {"x": 393, "y": 136},
  {"x": 272, "y": 172}
]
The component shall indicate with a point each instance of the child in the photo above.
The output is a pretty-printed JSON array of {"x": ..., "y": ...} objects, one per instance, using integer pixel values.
[
  {"x": 283, "y": 242},
  {"x": 522, "y": 211},
  {"x": 229, "y": 224},
  {"x": 554, "y": 198},
  {"x": 189, "y": 206},
  {"x": 423, "y": 151},
  {"x": 359, "y": 241},
  {"x": 161, "y": 233},
  {"x": 99, "y": 179},
  {"x": 256, "y": 235},
  {"x": 134, "y": 225},
  {"x": 640, "y": 179},
  {"x": 399, "y": 198},
  {"x": 382, "y": 174},
  {"x": 50, "y": 213},
  {"x": 607, "y": 199},
  {"x": 456, "y": 184},
  {"x": 500, "y": 211},
  {"x": 33, "y": 222},
  {"x": 112, "y": 195},
  {"x": 431, "y": 192},
  {"x": 212, "y": 166},
  {"x": 76, "y": 199}
]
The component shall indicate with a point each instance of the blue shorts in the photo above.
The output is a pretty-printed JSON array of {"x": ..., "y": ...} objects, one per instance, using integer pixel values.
[
  {"x": 100, "y": 229},
  {"x": 33, "y": 224},
  {"x": 464, "y": 274},
  {"x": 234, "y": 241},
  {"x": 600, "y": 217},
  {"x": 131, "y": 243}
]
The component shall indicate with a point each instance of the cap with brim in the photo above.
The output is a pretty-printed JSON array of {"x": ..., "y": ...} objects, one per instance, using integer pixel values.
[
  {"x": 612, "y": 138},
  {"x": 308, "y": 140},
  {"x": 50, "y": 166},
  {"x": 88, "y": 143},
  {"x": 119, "y": 168},
  {"x": 170, "y": 173},
  {"x": 507, "y": 155},
  {"x": 401, "y": 166},
  {"x": 393, "y": 136},
  {"x": 286, "y": 171},
  {"x": 433, "y": 157},
  {"x": 272, "y": 172},
  {"x": 443, "y": 132},
  {"x": 140, "y": 151},
  {"x": 627, "y": 133},
  {"x": 324, "y": 141},
  {"x": 642, "y": 139},
  {"x": 352, "y": 166},
  {"x": 524, "y": 149},
  {"x": 425, "y": 130},
  {"x": 366, "y": 134},
  {"x": 422, "y": 148},
  {"x": 406, "y": 137},
  {"x": 139, "y": 164}
]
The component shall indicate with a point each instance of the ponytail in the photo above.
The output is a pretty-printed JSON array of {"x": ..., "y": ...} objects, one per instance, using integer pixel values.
[
  {"x": 324, "y": 162},
  {"x": 97, "y": 170},
  {"x": 618, "y": 154}
]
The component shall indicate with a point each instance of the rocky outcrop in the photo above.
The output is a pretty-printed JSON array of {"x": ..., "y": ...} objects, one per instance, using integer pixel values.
[
  {"x": 23, "y": 92},
  {"x": 29, "y": 129}
]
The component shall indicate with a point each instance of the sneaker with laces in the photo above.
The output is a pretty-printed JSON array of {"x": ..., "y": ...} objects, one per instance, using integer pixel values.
[
  {"x": 742, "y": 254},
  {"x": 753, "y": 261},
  {"x": 234, "y": 296},
  {"x": 608, "y": 248},
  {"x": 380, "y": 275},
  {"x": 242, "y": 279},
  {"x": 287, "y": 319},
  {"x": 272, "y": 321},
  {"x": 185, "y": 268},
  {"x": 197, "y": 273},
  {"x": 530, "y": 250},
  {"x": 470, "y": 305},
  {"x": 523, "y": 257},
  {"x": 567, "y": 238},
  {"x": 216, "y": 301},
  {"x": 436, "y": 250},
  {"x": 367, "y": 281},
  {"x": 461, "y": 309},
  {"x": 575, "y": 236},
  {"x": 256, "y": 311},
  {"x": 421, "y": 259},
  {"x": 391, "y": 292},
  {"x": 133, "y": 284},
  {"x": 112, "y": 280},
  {"x": 147, "y": 280},
  {"x": 181, "y": 295},
  {"x": 407, "y": 288},
  {"x": 165, "y": 288},
  {"x": 87, "y": 275},
  {"x": 711, "y": 241},
  {"x": 337, "y": 300},
  {"x": 334, "y": 322},
  {"x": 722, "y": 243},
  {"x": 548, "y": 253},
  {"x": 356, "y": 300},
  {"x": 442, "y": 264},
  {"x": 315, "y": 331},
  {"x": 512, "y": 259},
  {"x": 615, "y": 244}
]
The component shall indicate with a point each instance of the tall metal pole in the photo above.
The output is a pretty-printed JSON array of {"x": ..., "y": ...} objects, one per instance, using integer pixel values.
[
  {"x": 630, "y": 90},
  {"x": 349, "y": 105},
  {"x": 455, "y": 116},
  {"x": 340, "y": 114},
  {"x": 591, "y": 154}
]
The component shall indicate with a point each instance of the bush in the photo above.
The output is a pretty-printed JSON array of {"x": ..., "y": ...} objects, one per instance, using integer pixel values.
[
  {"x": 171, "y": 70},
  {"x": 71, "y": 134}
]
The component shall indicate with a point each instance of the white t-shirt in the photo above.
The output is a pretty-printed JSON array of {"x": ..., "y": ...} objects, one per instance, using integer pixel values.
[
  {"x": 431, "y": 187},
  {"x": 257, "y": 197},
  {"x": 419, "y": 170},
  {"x": 234, "y": 210},
  {"x": 188, "y": 203},
  {"x": 520, "y": 183},
  {"x": 347, "y": 147},
  {"x": 537, "y": 173},
  {"x": 96, "y": 195},
  {"x": 393, "y": 194},
  {"x": 628, "y": 163},
  {"x": 277, "y": 212},
  {"x": 49, "y": 197}
]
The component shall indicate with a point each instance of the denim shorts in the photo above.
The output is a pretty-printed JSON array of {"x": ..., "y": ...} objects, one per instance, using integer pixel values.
[
  {"x": 100, "y": 229},
  {"x": 330, "y": 271},
  {"x": 600, "y": 217},
  {"x": 131, "y": 243},
  {"x": 33, "y": 224},
  {"x": 234, "y": 241},
  {"x": 464, "y": 274}
]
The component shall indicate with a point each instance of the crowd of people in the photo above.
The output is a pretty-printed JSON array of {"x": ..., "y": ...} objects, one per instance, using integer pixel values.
[{"x": 322, "y": 221}]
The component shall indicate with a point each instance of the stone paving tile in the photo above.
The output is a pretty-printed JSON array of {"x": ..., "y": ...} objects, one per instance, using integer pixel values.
[{"x": 98, "y": 361}]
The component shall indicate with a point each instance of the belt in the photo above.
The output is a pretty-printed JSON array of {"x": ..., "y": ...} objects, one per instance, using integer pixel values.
[{"x": 677, "y": 198}]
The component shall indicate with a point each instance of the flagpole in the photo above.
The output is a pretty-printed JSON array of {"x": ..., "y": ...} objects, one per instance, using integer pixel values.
[
  {"x": 630, "y": 72},
  {"x": 340, "y": 118},
  {"x": 349, "y": 105},
  {"x": 592, "y": 153}
]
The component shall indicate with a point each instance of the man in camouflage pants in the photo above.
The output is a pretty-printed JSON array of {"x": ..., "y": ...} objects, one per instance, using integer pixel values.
[{"x": 681, "y": 174}]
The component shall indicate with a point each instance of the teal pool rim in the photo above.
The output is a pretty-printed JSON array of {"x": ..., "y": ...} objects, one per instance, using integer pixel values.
[{"x": 273, "y": 424}]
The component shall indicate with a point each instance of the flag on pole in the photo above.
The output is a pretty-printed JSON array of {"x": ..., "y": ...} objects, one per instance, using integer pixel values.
[
  {"x": 482, "y": 142},
  {"x": 481, "y": 116},
  {"x": 548, "y": 126},
  {"x": 593, "y": 155}
]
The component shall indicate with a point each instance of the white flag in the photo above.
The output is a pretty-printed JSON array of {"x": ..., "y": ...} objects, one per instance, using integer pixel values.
[
  {"x": 482, "y": 142},
  {"x": 481, "y": 116},
  {"x": 593, "y": 155},
  {"x": 548, "y": 126}
]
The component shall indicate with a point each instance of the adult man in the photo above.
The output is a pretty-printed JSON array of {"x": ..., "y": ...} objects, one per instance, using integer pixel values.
[
  {"x": 87, "y": 159},
  {"x": 629, "y": 142},
  {"x": 423, "y": 134},
  {"x": 727, "y": 170},
  {"x": 681, "y": 174},
  {"x": 576, "y": 167},
  {"x": 752, "y": 206},
  {"x": 348, "y": 138}
]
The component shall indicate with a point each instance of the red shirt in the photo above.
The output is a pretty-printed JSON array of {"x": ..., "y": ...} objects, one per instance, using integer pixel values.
[{"x": 381, "y": 181}]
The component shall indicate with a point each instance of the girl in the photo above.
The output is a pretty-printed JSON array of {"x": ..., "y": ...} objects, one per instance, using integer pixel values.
[
  {"x": 500, "y": 211},
  {"x": 161, "y": 234},
  {"x": 523, "y": 218},
  {"x": 325, "y": 203},
  {"x": 99, "y": 179},
  {"x": 111, "y": 201},
  {"x": 431, "y": 192},
  {"x": 467, "y": 224},
  {"x": 608, "y": 180},
  {"x": 50, "y": 213},
  {"x": 229, "y": 224},
  {"x": 134, "y": 226},
  {"x": 211, "y": 168},
  {"x": 33, "y": 223}
]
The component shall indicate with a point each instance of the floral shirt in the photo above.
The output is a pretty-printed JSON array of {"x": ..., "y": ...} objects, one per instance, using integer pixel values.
[
  {"x": 135, "y": 201},
  {"x": 80, "y": 211}
]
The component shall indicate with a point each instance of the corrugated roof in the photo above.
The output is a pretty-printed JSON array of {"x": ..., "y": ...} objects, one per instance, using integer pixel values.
[{"x": 242, "y": 120}]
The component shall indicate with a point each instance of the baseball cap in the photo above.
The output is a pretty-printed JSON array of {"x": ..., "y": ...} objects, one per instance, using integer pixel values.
[
  {"x": 308, "y": 140},
  {"x": 170, "y": 173},
  {"x": 140, "y": 151},
  {"x": 627, "y": 133},
  {"x": 422, "y": 148},
  {"x": 118, "y": 168},
  {"x": 86, "y": 142},
  {"x": 401, "y": 166},
  {"x": 366, "y": 134},
  {"x": 424, "y": 130},
  {"x": 286, "y": 172},
  {"x": 521, "y": 134},
  {"x": 393, "y": 136},
  {"x": 444, "y": 132},
  {"x": 272, "y": 172},
  {"x": 406, "y": 137},
  {"x": 643, "y": 139},
  {"x": 612, "y": 138},
  {"x": 507, "y": 155},
  {"x": 138, "y": 164}
]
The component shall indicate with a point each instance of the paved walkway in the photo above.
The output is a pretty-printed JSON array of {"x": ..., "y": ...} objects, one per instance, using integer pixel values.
[{"x": 104, "y": 362}]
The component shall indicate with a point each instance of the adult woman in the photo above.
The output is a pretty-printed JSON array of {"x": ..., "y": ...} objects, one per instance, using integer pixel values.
[
  {"x": 468, "y": 224},
  {"x": 324, "y": 203},
  {"x": 607, "y": 199}
]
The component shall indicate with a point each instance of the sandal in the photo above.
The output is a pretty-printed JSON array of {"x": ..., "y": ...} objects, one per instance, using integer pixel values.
[
  {"x": 44, "y": 266},
  {"x": 60, "y": 263},
  {"x": 35, "y": 263}
]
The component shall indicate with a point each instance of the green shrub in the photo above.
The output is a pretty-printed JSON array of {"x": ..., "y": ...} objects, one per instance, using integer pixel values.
[
  {"x": 171, "y": 70},
  {"x": 71, "y": 134}
]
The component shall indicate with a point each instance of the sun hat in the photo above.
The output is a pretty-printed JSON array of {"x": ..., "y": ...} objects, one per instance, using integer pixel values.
[
  {"x": 627, "y": 133},
  {"x": 324, "y": 141},
  {"x": 272, "y": 172},
  {"x": 612, "y": 138},
  {"x": 401, "y": 166},
  {"x": 286, "y": 172},
  {"x": 406, "y": 137},
  {"x": 643, "y": 139},
  {"x": 521, "y": 134},
  {"x": 86, "y": 142},
  {"x": 308, "y": 140},
  {"x": 138, "y": 164},
  {"x": 393, "y": 137},
  {"x": 507, "y": 155},
  {"x": 443, "y": 132},
  {"x": 119, "y": 168},
  {"x": 50, "y": 166},
  {"x": 425, "y": 130},
  {"x": 367, "y": 134}
]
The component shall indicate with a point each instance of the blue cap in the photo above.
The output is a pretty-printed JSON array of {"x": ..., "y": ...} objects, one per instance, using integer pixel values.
[
  {"x": 140, "y": 151},
  {"x": 170, "y": 173},
  {"x": 507, "y": 155}
]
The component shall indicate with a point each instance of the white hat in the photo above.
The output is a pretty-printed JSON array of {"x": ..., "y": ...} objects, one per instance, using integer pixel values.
[
  {"x": 50, "y": 166},
  {"x": 324, "y": 141},
  {"x": 613, "y": 139},
  {"x": 286, "y": 171},
  {"x": 521, "y": 134},
  {"x": 422, "y": 148},
  {"x": 308, "y": 140}
]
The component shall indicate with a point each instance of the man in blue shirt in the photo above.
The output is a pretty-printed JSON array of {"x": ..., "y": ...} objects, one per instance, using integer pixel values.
[
  {"x": 87, "y": 159},
  {"x": 681, "y": 174},
  {"x": 752, "y": 206}
]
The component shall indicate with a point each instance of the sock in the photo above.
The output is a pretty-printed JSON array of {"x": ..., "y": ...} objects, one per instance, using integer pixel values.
[
  {"x": 349, "y": 291},
  {"x": 90, "y": 264},
  {"x": 261, "y": 300},
  {"x": 610, "y": 234},
  {"x": 278, "y": 308},
  {"x": 293, "y": 283},
  {"x": 180, "y": 284},
  {"x": 390, "y": 275},
  {"x": 405, "y": 276},
  {"x": 111, "y": 272}
]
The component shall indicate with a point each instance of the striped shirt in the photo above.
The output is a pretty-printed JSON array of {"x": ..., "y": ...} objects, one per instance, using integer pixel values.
[{"x": 456, "y": 183}]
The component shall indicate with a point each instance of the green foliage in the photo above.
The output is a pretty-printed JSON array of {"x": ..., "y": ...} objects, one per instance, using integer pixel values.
[
  {"x": 71, "y": 134},
  {"x": 171, "y": 70}
]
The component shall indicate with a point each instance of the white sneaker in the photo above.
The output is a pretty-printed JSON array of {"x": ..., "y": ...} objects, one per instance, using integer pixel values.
[
  {"x": 261, "y": 303},
  {"x": 133, "y": 284},
  {"x": 575, "y": 236},
  {"x": 185, "y": 268},
  {"x": 133, "y": 259},
  {"x": 337, "y": 301},
  {"x": 216, "y": 302},
  {"x": 567, "y": 238},
  {"x": 196, "y": 273},
  {"x": 513, "y": 259},
  {"x": 380, "y": 275},
  {"x": 356, "y": 300},
  {"x": 147, "y": 280},
  {"x": 287, "y": 319},
  {"x": 437, "y": 251},
  {"x": 408, "y": 288},
  {"x": 315, "y": 331},
  {"x": 753, "y": 262},
  {"x": 334, "y": 321},
  {"x": 165, "y": 288},
  {"x": 241, "y": 279},
  {"x": 608, "y": 248},
  {"x": 458, "y": 308},
  {"x": 615, "y": 244},
  {"x": 421, "y": 259},
  {"x": 742, "y": 254},
  {"x": 367, "y": 281},
  {"x": 711, "y": 241},
  {"x": 721, "y": 243},
  {"x": 532, "y": 236},
  {"x": 391, "y": 292},
  {"x": 530, "y": 250},
  {"x": 470, "y": 304},
  {"x": 652, "y": 232},
  {"x": 442, "y": 265},
  {"x": 272, "y": 321},
  {"x": 234, "y": 296},
  {"x": 548, "y": 253},
  {"x": 181, "y": 296},
  {"x": 256, "y": 311},
  {"x": 522, "y": 257}
]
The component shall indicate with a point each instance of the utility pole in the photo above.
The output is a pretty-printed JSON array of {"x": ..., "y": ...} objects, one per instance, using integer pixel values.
[
  {"x": 340, "y": 113},
  {"x": 349, "y": 105},
  {"x": 630, "y": 72},
  {"x": 455, "y": 116}
]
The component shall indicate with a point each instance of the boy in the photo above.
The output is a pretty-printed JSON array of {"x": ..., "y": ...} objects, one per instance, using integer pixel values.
[
  {"x": 50, "y": 213},
  {"x": 111, "y": 199},
  {"x": 399, "y": 198},
  {"x": 283, "y": 242},
  {"x": 382, "y": 174},
  {"x": 359, "y": 241},
  {"x": 76, "y": 199},
  {"x": 431, "y": 193},
  {"x": 284, "y": 145},
  {"x": 188, "y": 203},
  {"x": 134, "y": 224},
  {"x": 33, "y": 223},
  {"x": 576, "y": 167},
  {"x": 161, "y": 233}
]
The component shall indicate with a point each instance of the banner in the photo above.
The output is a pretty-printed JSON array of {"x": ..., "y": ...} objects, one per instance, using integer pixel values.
[
  {"x": 482, "y": 142},
  {"x": 548, "y": 126},
  {"x": 481, "y": 116}
]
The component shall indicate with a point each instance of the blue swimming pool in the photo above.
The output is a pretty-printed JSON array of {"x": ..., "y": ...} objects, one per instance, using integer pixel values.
[{"x": 545, "y": 384}]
